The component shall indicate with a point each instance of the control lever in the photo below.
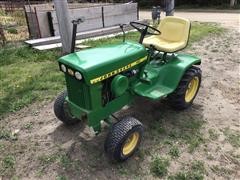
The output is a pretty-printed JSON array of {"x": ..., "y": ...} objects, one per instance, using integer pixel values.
[
  {"x": 74, "y": 32},
  {"x": 122, "y": 26}
]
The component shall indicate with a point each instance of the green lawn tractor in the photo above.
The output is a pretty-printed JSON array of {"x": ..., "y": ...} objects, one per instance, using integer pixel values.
[{"x": 101, "y": 81}]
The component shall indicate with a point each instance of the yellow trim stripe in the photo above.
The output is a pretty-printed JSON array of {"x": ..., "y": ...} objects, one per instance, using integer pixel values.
[{"x": 117, "y": 71}]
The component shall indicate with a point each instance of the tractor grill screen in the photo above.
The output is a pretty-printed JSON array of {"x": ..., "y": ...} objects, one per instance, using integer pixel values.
[{"x": 78, "y": 92}]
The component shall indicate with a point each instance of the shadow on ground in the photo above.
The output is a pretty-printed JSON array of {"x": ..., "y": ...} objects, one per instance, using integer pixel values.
[{"x": 163, "y": 127}]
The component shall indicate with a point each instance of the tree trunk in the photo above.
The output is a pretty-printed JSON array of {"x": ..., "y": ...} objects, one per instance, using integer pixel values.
[{"x": 232, "y": 3}]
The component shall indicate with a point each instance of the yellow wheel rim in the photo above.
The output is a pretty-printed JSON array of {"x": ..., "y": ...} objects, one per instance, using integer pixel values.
[
  {"x": 130, "y": 144},
  {"x": 192, "y": 89}
]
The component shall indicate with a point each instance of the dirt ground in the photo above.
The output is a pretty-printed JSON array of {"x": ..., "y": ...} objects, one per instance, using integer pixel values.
[
  {"x": 228, "y": 20},
  {"x": 40, "y": 147}
]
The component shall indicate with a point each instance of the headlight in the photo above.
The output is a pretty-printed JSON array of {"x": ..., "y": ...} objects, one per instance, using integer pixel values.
[
  {"x": 63, "y": 68},
  {"x": 78, "y": 75},
  {"x": 70, "y": 72}
]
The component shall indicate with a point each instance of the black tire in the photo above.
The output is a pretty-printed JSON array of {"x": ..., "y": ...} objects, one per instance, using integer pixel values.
[
  {"x": 118, "y": 136},
  {"x": 60, "y": 110},
  {"x": 177, "y": 99}
]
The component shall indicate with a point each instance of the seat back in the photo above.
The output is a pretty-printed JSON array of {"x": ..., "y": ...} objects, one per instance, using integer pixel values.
[{"x": 175, "y": 29}]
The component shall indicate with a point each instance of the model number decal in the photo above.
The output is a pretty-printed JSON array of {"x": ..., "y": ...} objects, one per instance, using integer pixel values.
[{"x": 105, "y": 76}]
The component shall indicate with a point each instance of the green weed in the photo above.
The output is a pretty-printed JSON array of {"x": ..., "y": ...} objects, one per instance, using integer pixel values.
[
  {"x": 141, "y": 154},
  {"x": 59, "y": 158},
  {"x": 12, "y": 31},
  {"x": 15, "y": 178},
  {"x": 159, "y": 166},
  {"x": 188, "y": 131},
  {"x": 7, "y": 135},
  {"x": 28, "y": 125},
  {"x": 213, "y": 135},
  {"x": 195, "y": 141},
  {"x": 65, "y": 161},
  {"x": 2, "y": 13},
  {"x": 47, "y": 159},
  {"x": 61, "y": 177},
  {"x": 4, "y": 134},
  {"x": 174, "y": 152},
  {"x": 233, "y": 137},
  {"x": 195, "y": 172},
  {"x": 123, "y": 170},
  {"x": 198, "y": 166},
  {"x": 8, "y": 164},
  {"x": 1, "y": 147},
  {"x": 168, "y": 142},
  {"x": 221, "y": 171}
]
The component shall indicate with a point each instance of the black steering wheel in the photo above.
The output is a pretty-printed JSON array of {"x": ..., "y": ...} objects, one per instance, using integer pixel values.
[{"x": 144, "y": 30}]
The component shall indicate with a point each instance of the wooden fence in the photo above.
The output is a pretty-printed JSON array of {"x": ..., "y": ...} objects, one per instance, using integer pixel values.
[{"x": 42, "y": 19}]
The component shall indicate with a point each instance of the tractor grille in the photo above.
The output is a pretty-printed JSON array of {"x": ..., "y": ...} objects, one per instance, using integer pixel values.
[{"x": 78, "y": 92}]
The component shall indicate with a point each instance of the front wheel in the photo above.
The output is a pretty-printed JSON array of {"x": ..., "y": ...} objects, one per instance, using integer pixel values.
[
  {"x": 187, "y": 89},
  {"x": 61, "y": 110},
  {"x": 124, "y": 139}
]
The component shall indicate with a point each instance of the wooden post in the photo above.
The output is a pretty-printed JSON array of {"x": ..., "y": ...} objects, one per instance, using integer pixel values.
[
  {"x": 64, "y": 22},
  {"x": 2, "y": 36}
]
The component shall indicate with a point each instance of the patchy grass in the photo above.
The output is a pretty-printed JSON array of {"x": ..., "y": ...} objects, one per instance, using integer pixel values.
[
  {"x": 61, "y": 159},
  {"x": 200, "y": 30},
  {"x": 195, "y": 141},
  {"x": 7, "y": 135},
  {"x": 28, "y": 126},
  {"x": 196, "y": 171},
  {"x": 7, "y": 165},
  {"x": 65, "y": 161},
  {"x": 233, "y": 137},
  {"x": 61, "y": 177},
  {"x": 47, "y": 159},
  {"x": 4, "y": 134},
  {"x": 28, "y": 75},
  {"x": 221, "y": 171},
  {"x": 12, "y": 31},
  {"x": 122, "y": 169},
  {"x": 159, "y": 166},
  {"x": 2, "y": 12},
  {"x": 182, "y": 130},
  {"x": 156, "y": 128},
  {"x": 213, "y": 135},
  {"x": 174, "y": 152},
  {"x": 188, "y": 131}
]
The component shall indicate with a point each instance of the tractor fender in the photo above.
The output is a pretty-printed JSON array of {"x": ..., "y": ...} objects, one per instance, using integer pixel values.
[{"x": 172, "y": 72}]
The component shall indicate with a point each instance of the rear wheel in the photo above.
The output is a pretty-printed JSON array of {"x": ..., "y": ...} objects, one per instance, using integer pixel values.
[
  {"x": 124, "y": 139},
  {"x": 187, "y": 89},
  {"x": 61, "y": 110}
]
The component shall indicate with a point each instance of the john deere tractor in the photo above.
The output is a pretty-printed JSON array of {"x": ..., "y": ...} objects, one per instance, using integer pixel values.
[{"x": 101, "y": 81}]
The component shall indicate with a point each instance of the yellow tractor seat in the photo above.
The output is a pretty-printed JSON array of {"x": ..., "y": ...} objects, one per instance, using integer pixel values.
[{"x": 174, "y": 35}]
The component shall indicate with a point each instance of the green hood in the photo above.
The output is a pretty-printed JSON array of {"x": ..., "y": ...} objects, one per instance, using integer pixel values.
[{"x": 96, "y": 62}]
